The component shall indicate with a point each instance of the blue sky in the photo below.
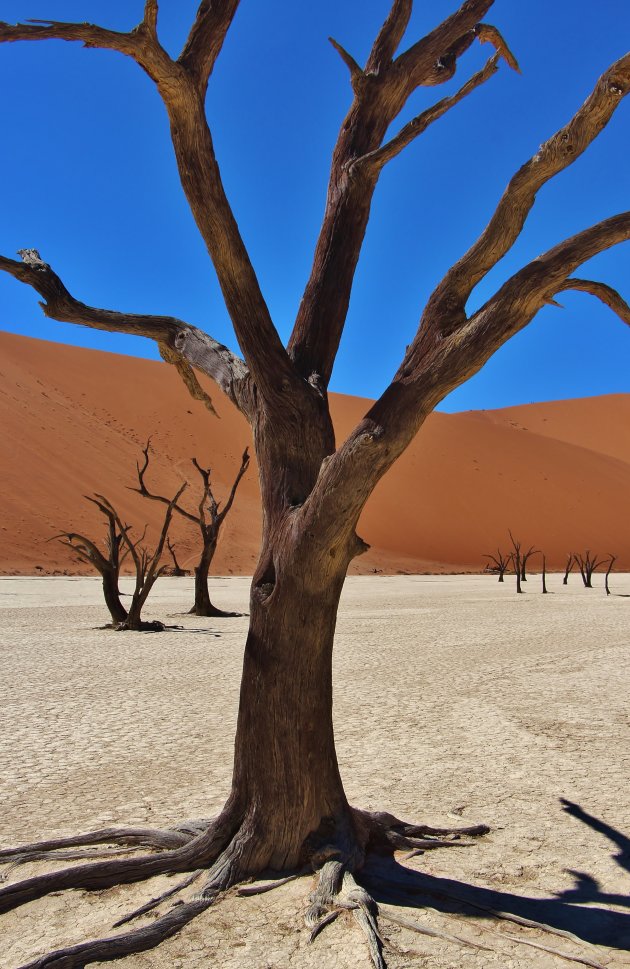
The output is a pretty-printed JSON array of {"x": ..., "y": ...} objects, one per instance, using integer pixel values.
[{"x": 89, "y": 179}]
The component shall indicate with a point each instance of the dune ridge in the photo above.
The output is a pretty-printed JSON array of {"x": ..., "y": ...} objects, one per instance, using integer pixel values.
[{"x": 73, "y": 422}]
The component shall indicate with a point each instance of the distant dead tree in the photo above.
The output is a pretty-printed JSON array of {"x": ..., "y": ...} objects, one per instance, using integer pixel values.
[
  {"x": 517, "y": 562},
  {"x": 177, "y": 570},
  {"x": 147, "y": 565},
  {"x": 109, "y": 564},
  {"x": 208, "y": 519},
  {"x": 569, "y": 566},
  {"x": 544, "y": 574},
  {"x": 608, "y": 571},
  {"x": 498, "y": 563},
  {"x": 524, "y": 557},
  {"x": 587, "y": 564}
]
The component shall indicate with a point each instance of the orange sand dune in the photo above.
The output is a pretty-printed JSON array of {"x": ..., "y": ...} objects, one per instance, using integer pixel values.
[{"x": 73, "y": 422}]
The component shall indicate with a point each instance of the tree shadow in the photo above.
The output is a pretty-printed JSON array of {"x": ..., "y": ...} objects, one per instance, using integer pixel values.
[
  {"x": 391, "y": 882},
  {"x": 587, "y": 888}
]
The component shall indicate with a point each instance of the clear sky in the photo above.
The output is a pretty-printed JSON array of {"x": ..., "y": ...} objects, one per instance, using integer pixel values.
[{"x": 89, "y": 179}]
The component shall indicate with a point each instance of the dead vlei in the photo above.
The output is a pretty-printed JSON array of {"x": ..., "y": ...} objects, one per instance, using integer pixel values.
[{"x": 287, "y": 807}]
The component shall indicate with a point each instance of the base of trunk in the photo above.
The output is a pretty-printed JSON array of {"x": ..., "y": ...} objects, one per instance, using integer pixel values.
[
  {"x": 225, "y": 852},
  {"x": 212, "y": 612}
]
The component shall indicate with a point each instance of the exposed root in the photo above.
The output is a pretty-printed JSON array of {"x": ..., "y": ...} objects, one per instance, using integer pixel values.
[
  {"x": 581, "y": 960},
  {"x": 70, "y": 855},
  {"x": 117, "y": 946},
  {"x": 337, "y": 891},
  {"x": 142, "y": 837},
  {"x": 191, "y": 853},
  {"x": 364, "y": 911},
  {"x": 154, "y": 902},
  {"x": 425, "y": 930},
  {"x": 220, "y": 848},
  {"x": 260, "y": 889},
  {"x": 323, "y": 922},
  {"x": 388, "y": 833}
]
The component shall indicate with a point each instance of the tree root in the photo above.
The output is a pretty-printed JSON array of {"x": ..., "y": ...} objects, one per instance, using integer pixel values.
[
  {"x": 193, "y": 849},
  {"x": 149, "y": 906},
  {"x": 425, "y": 930},
  {"x": 337, "y": 891},
  {"x": 117, "y": 946},
  {"x": 218, "y": 848}
]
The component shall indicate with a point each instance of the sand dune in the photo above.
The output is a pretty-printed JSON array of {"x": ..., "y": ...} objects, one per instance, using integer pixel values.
[{"x": 73, "y": 422}]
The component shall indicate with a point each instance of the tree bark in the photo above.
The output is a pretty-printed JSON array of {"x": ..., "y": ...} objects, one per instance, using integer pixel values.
[
  {"x": 203, "y": 605},
  {"x": 286, "y": 780},
  {"x": 112, "y": 597}
]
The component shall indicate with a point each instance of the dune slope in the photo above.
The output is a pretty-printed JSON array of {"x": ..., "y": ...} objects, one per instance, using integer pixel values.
[{"x": 73, "y": 422}]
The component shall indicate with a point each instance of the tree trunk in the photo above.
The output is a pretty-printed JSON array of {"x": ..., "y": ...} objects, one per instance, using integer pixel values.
[
  {"x": 112, "y": 597},
  {"x": 286, "y": 783},
  {"x": 203, "y": 605}
]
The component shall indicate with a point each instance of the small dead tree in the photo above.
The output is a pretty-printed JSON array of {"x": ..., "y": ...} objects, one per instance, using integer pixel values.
[
  {"x": 109, "y": 564},
  {"x": 208, "y": 519},
  {"x": 498, "y": 563},
  {"x": 147, "y": 565},
  {"x": 177, "y": 570},
  {"x": 587, "y": 564},
  {"x": 608, "y": 571},
  {"x": 524, "y": 557},
  {"x": 569, "y": 567},
  {"x": 517, "y": 561},
  {"x": 544, "y": 574}
]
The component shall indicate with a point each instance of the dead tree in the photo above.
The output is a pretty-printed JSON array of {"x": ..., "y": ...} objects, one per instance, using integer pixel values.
[
  {"x": 517, "y": 562},
  {"x": 544, "y": 574},
  {"x": 611, "y": 562},
  {"x": 108, "y": 565},
  {"x": 569, "y": 566},
  {"x": 147, "y": 566},
  {"x": 287, "y": 807},
  {"x": 587, "y": 564},
  {"x": 208, "y": 519},
  {"x": 498, "y": 563},
  {"x": 524, "y": 557},
  {"x": 176, "y": 570}
]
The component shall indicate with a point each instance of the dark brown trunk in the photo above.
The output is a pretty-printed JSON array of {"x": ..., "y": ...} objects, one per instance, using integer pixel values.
[
  {"x": 203, "y": 605},
  {"x": 112, "y": 597},
  {"x": 544, "y": 576},
  {"x": 286, "y": 783}
]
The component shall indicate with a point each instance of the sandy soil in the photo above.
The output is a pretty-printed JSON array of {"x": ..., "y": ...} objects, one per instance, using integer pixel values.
[
  {"x": 73, "y": 422},
  {"x": 456, "y": 701}
]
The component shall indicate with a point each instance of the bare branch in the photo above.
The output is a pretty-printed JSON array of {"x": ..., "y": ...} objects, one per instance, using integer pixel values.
[
  {"x": 380, "y": 95},
  {"x": 243, "y": 468},
  {"x": 421, "y": 122},
  {"x": 448, "y": 300},
  {"x": 389, "y": 37},
  {"x": 187, "y": 374},
  {"x": 90, "y": 35},
  {"x": 151, "y": 16},
  {"x": 602, "y": 291},
  {"x": 178, "y": 341},
  {"x": 144, "y": 491},
  {"x": 140, "y": 43},
  {"x": 355, "y": 71},
  {"x": 433, "y": 59},
  {"x": 206, "y": 37},
  {"x": 487, "y": 34}
]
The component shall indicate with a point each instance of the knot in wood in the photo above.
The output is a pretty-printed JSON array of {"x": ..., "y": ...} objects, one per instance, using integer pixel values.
[{"x": 616, "y": 88}]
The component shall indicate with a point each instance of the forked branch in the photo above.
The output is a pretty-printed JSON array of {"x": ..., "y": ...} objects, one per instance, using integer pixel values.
[{"x": 448, "y": 300}]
